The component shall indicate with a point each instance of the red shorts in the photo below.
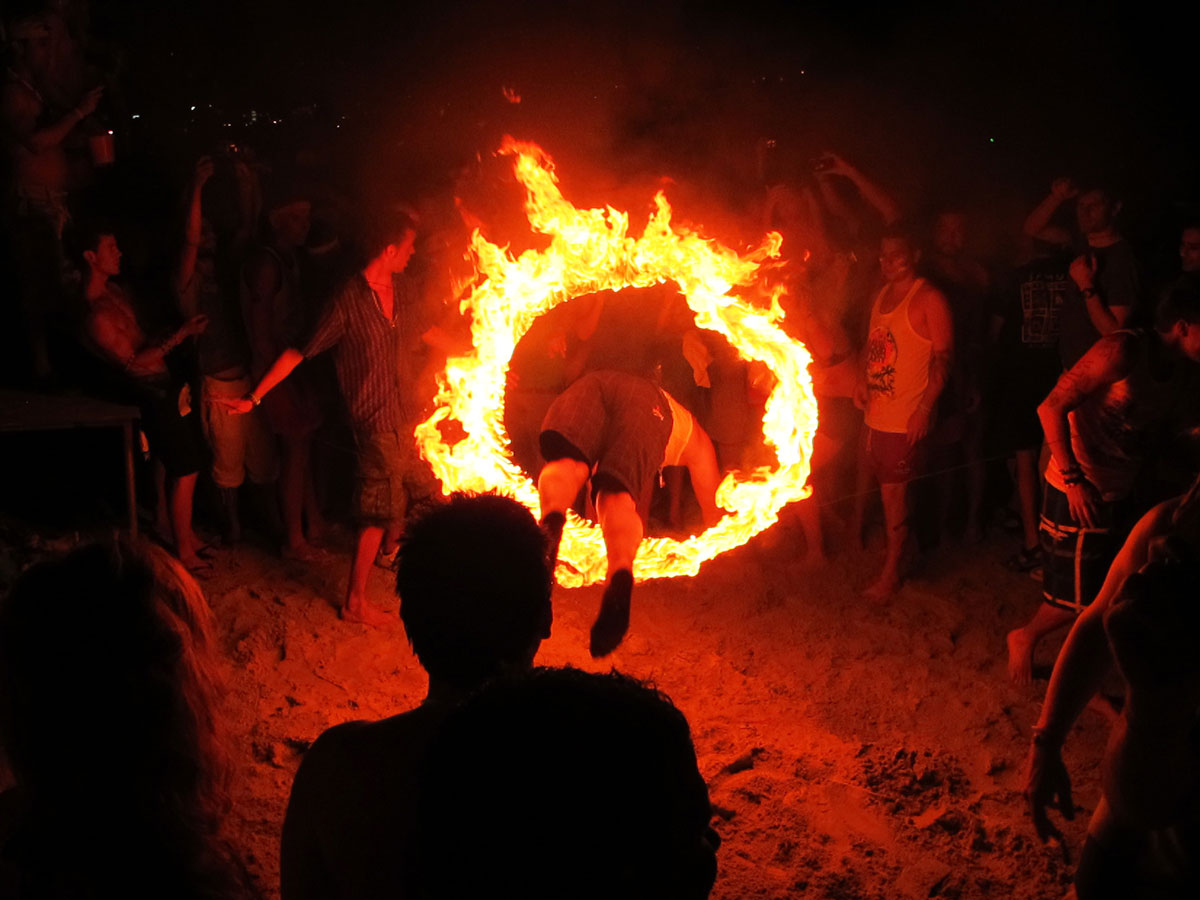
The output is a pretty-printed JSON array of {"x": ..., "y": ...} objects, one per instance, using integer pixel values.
[{"x": 893, "y": 459}]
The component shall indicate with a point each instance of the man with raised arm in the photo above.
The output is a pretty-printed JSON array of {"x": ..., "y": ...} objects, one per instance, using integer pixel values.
[
  {"x": 1104, "y": 276},
  {"x": 359, "y": 325}
]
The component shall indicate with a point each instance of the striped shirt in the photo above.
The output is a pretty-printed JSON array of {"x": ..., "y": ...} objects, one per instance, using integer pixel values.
[{"x": 366, "y": 355}]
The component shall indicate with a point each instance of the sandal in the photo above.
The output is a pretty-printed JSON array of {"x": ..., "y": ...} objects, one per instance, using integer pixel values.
[
  {"x": 202, "y": 570},
  {"x": 1028, "y": 559},
  {"x": 387, "y": 560}
]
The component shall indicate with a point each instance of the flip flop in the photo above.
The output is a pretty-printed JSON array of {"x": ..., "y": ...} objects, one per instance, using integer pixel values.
[
  {"x": 1028, "y": 559},
  {"x": 203, "y": 571}
]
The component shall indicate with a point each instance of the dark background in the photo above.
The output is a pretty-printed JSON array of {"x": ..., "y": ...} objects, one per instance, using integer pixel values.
[{"x": 982, "y": 102}]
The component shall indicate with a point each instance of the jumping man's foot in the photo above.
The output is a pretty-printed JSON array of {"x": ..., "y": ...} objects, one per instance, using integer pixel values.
[
  {"x": 365, "y": 614},
  {"x": 613, "y": 621},
  {"x": 1020, "y": 657},
  {"x": 552, "y": 525}
]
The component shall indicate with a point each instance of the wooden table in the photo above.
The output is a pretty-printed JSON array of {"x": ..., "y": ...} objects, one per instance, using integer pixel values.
[{"x": 28, "y": 411}]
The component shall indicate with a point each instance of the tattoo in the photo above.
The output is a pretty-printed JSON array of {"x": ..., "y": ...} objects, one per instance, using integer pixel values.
[
  {"x": 1105, "y": 363},
  {"x": 939, "y": 372}
]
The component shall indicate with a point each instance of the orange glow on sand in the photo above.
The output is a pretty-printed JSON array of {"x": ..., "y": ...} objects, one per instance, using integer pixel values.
[{"x": 592, "y": 250}]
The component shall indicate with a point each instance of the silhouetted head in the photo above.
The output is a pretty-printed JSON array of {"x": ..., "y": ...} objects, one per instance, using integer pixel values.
[
  {"x": 107, "y": 717},
  {"x": 390, "y": 235},
  {"x": 563, "y": 783},
  {"x": 1178, "y": 316},
  {"x": 474, "y": 587},
  {"x": 1189, "y": 248}
]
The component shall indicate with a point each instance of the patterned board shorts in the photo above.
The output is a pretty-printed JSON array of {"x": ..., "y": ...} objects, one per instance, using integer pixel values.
[
  {"x": 1076, "y": 559},
  {"x": 617, "y": 423}
]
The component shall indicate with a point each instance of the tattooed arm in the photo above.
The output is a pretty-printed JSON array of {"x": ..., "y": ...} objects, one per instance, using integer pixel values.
[
  {"x": 1107, "y": 362},
  {"x": 934, "y": 314}
]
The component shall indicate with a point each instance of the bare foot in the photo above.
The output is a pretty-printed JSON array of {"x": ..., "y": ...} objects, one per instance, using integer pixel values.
[
  {"x": 317, "y": 530},
  {"x": 1020, "y": 657},
  {"x": 303, "y": 551},
  {"x": 365, "y": 614},
  {"x": 1104, "y": 705},
  {"x": 199, "y": 568},
  {"x": 613, "y": 620},
  {"x": 886, "y": 585}
]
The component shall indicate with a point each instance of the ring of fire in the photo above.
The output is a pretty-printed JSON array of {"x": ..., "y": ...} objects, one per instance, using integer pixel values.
[{"x": 591, "y": 250}]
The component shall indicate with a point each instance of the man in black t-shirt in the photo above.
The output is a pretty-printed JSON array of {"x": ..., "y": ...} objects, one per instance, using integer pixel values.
[
  {"x": 1026, "y": 322},
  {"x": 1105, "y": 281}
]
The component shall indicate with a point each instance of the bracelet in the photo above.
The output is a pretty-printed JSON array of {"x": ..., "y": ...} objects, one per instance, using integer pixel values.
[
  {"x": 253, "y": 398},
  {"x": 1088, "y": 293}
]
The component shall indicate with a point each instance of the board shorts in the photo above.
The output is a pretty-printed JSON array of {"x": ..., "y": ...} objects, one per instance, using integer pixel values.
[
  {"x": 240, "y": 445},
  {"x": 1075, "y": 560},
  {"x": 380, "y": 497},
  {"x": 893, "y": 460},
  {"x": 618, "y": 424},
  {"x": 172, "y": 427}
]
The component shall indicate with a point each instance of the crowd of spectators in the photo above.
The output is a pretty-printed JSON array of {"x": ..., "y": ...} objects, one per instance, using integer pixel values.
[{"x": 1053, "y": 392}]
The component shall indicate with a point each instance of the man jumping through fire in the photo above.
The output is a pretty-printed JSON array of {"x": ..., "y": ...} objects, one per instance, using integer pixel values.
[{"x": 618, "y": 430}]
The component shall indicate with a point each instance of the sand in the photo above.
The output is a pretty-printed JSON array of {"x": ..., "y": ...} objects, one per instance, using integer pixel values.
[{"x": 852, "y": 749}]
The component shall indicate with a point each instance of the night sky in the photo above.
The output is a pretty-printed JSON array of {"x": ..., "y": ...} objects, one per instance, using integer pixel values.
[{"x": 942, "y": 100}]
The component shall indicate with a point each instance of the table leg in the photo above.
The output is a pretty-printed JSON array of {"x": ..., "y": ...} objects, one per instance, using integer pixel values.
[{"x": 130, "y": 481}]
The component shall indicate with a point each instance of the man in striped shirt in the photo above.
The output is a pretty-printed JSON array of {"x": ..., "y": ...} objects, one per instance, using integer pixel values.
[{"x": 359, "y": 326}]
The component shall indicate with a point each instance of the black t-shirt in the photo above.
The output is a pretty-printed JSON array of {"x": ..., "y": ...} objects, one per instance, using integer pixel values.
[
  {"x": 1117, "y": 281},
  {"x": 1031, "y": 303}
]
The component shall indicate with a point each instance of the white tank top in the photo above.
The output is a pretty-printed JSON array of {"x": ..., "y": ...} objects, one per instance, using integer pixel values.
[{"x": 897, "y": 365}]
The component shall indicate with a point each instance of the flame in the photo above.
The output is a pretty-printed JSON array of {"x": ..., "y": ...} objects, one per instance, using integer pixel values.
[{"x": 592, "y": 250}]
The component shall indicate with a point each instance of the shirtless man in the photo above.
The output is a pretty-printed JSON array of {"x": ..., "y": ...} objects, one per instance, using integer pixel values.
[
  {"x": 171, "y": 426},
  {"x": 618, "y": 430},
  {"x": 34, "y": 139},
  {"x": 351, "y": 815},
  {"x": 1125, "y": 395},
  {"x": 1150, "y": 764},
  {"x": 907, "y": 357}
]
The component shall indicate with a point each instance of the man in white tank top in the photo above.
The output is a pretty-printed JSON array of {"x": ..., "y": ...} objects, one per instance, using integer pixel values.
[{"x": 904, "y": 368}]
